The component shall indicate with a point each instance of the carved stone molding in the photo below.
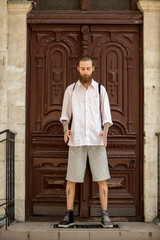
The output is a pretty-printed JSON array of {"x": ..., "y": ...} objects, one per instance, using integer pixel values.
[
  {"x": 149, "y": 6},
  {"x": 19, "y": 7}
]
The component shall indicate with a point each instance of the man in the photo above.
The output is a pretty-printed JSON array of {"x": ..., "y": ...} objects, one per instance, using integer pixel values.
[{"x": 89, "y": 109}]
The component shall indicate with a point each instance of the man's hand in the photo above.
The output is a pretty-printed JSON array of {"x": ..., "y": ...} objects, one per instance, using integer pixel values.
[
  {"x": 104, "y": 133},
  {"x": 67, "y": 136}
]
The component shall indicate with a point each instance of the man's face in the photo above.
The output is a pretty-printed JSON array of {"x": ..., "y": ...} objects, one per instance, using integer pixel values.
[{"x": 85, "y": 69}]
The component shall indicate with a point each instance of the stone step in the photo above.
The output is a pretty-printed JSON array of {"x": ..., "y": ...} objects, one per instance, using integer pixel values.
[{"x": 45, "y": 231}]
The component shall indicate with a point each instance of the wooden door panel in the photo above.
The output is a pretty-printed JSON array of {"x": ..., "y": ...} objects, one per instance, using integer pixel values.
[
  {"x": 118, "y": 186},
  {"x": 49, "y": 182},
  {"x": 116, "y": 54},
  {"x": 54, "y": 51}
]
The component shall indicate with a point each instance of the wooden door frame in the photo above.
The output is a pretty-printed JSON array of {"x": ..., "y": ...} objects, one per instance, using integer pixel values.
[{"x": 67, "y": 17}]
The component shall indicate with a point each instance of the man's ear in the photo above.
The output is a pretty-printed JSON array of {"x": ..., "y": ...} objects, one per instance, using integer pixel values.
[
  {"x": 78, "y": 68},
  {"x": 93, "y": 68}
]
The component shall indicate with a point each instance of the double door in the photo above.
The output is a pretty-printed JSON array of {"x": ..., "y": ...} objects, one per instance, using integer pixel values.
[{"x": 52, "y": 60}]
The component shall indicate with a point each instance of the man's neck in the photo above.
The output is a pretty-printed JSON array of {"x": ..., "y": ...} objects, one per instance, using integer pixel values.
[{"x": 86, "y": 85}]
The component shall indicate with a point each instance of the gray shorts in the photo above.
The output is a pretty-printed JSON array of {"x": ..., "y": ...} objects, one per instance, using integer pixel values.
[{"x": 77, "y": 163}]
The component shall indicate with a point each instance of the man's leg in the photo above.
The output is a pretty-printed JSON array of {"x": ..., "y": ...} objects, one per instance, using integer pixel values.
[
  {"x": 75, "y": 170},
  {"x": 99, "y": 168},
  {"x": 68, "y": 220},
  {"x": 103, "y": 193},
  {"x": 70, "y": 194}
]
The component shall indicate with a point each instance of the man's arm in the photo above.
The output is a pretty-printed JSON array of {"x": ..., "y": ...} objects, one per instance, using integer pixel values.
[
  {"x": 106, "y": 128},
  {"x": 66, "y": 107},
  {"x": 66, "y": 114},
  {"x": 105, "y": 107},
  {"x": 104, "y": 133},
  {"x": 65, "y": 125},
  {"x": 66, "y": 131},
  {"x": 106, "y": 115}
]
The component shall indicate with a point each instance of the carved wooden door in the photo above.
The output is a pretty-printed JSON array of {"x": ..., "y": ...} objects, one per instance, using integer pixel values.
[
  {"x": 116, "y": 52},
  {"x": 54, "y": 50}
]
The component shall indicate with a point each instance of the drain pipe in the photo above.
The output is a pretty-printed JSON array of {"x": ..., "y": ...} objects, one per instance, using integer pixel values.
[{"x": 157, "y": 219}]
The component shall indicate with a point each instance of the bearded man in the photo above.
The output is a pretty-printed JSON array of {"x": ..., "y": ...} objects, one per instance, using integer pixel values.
[{"x": 86, "y": 105}]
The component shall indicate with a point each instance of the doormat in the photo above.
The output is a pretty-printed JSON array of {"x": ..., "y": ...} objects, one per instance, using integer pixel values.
[{"x": 87, "y": 226}]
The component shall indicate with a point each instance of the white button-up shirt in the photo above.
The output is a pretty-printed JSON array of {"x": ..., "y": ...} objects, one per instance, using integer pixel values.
[{"x": 83, "y": 106}]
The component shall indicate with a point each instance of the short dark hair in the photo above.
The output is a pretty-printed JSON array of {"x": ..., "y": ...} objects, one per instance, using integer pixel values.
[{"x": 86, "y": 58}]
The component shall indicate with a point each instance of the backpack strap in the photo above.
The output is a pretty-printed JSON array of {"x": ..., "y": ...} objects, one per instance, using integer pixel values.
[
  {"x": 74, "y": 86},
  {"x": 70, "y": 124},
  {"x": 99, "y": 91},
  {"x": 99, "y": 88}
]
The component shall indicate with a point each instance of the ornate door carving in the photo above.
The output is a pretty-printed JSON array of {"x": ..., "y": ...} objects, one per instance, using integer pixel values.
[{"x": 54, "y": 51}]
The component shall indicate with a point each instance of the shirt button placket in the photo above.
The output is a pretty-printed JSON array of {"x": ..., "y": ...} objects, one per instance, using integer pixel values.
[{"x": 87, "y": 117}]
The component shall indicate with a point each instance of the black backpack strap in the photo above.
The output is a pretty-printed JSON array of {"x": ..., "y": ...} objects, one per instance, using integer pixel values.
[
  {"x": 74, "y": 86},
  {"x": 99, "y": 91},
  {"x": 70, "y": 124},
  {"x": 99, "y": 88}
]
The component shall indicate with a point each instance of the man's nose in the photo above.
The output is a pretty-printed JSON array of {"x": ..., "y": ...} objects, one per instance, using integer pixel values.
[{"x": 85, "y": 71}]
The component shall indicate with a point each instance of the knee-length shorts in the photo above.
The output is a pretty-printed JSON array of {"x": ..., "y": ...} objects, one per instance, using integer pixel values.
[{"x": 77, "y": 159}]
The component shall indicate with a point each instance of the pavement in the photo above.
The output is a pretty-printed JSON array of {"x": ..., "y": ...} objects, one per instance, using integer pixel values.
[{"x": 45, "y": 231}]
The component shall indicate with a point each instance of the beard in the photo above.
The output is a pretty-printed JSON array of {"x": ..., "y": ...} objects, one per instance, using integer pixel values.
[{"x": 85, "y": 78}]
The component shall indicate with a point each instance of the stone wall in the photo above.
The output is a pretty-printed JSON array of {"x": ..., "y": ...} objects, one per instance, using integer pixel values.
[
  {"x": 16, "y": 79},
  {"x": 13, "y": 39},
  {"x": 3, "y": 94},
  {"x": 151, "y": 62}
]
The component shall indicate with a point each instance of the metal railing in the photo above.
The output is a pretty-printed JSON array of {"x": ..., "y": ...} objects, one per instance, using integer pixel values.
[
  {"x": 157, "y": 220},
  {"x": 9, "y": 204}
]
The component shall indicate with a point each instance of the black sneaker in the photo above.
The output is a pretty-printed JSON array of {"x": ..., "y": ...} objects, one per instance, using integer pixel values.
[
  {"x": 105, "y": 220},
  {"x": 67, "y": 220}
]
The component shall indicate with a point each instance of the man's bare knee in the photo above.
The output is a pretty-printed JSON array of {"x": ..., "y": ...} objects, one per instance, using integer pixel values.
[
  {"x": 70, "y": 183},
  {"x": 102, "y": 183}
]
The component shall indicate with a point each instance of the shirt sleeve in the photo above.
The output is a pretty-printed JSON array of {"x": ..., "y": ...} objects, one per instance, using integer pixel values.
[
  {"x": 105, "y": 107},
  {"x": 67, "y": 106}
]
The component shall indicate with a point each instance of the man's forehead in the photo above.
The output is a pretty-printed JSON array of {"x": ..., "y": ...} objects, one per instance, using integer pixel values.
[{"x": 87, "y": 63}]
